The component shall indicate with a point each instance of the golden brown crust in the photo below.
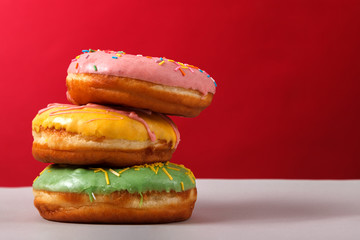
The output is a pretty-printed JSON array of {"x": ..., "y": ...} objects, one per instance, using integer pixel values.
[
  {"x": 117, "y": 207},
  {"x": 64, "y": 151},
  {"x": 91, "y": 156},
  {"x": 106, "y": 89}
]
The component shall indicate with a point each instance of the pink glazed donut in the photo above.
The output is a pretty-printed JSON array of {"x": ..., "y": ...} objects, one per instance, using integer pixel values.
[{"x": 155, "y": 83}]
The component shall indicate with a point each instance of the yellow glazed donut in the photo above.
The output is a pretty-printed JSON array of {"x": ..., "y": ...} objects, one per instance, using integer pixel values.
[
  {"x": 94, "y": 134},
  {"x": 155, "y": 193},
  {"x": 158, "y": 84}
]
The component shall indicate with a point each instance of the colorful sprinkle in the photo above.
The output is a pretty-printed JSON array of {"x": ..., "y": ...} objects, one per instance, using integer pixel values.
[
  {"x": 153, "y": 169},
  {"x": 201, "y": 70},
  {"x": 161, "y": 63},
  {"x": 114, "y": 57},
  {"x": 176, "y": 169},
  {"x": 93, "y": 195},
  {"x": 213, "y": 81},
  {"x": 77, "y": 65},
  {"x": 182, "y": 72},
  {"x": 105, "y": 172},
  {"x": 192, "y": 180},
  {"x": 114, "y": 172},
  {"x": 120, "y": 172},
  {"x": 85, "y": 51},
  {"x": 182, "y": 186},
  {"x": 167, "y": 174},
  {"x": 87, "y": 56},
  {"x": 90, "y": 50},
  {"x": 95, "y": 68}
]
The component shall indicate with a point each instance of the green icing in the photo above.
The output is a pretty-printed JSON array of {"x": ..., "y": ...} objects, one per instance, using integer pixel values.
[{"x": 80, "y": 179}]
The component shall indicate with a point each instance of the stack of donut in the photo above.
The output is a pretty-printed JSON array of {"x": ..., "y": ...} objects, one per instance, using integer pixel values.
[{"x": 110, "y": 148}]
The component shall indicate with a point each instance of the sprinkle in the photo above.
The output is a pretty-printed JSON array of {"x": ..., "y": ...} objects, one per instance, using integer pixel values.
[
  {"x": 171, "y": 60},
  {"x": 136, "y": 169},
  {"x": 213, "y": 81},
  {"x": 190, "y": 175},
  {"x": 114, "y": 57},
  {"x": 157, "y": 61},
  {"x": 153, "y": 169},
  {"x": 161, "y": 63},
  {"x": 95, "y": 68},
  {"x": 106, "y": 177},
  {"x": 77, "y": 57},
  {"x": 93, "y": 195},
  {"x": 182, "y": 186},
  {"x": 166, "y": 172},
  {"x": 91, "y": 50},
  {"x": 35, "y": 179},
  {"x": 85, "y": 51},
  {"x": 121, "y": 171},
  {"x": 105, "y": 172},
  {"x": 114, "y": 172},
  {"x": 77, "y": 65},
  {"x": 161, "y": 59},
  {"x": 148, "y": 57},
  {"x": 73, "y": 60},
  {"x": 177, "y": 68},
  {"x": 201, "y": 70},
  {"x": 87, "y": 56},
  {"x": 192, "y": 180},
  {"x": 119, "y": 55},
  {"x": 121, "y": 52},
  {"x": 156, "y": 171},
  {"x": 176, "y": 169},
  {"x": 208, "y": 76},
  {"x": 191, "y": 69},
  {"x": 182, "y": 72},
  {"x": 139, "y": 55}
]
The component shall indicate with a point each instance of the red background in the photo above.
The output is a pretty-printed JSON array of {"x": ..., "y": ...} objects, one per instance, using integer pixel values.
[{"x": 287, "y": 102}]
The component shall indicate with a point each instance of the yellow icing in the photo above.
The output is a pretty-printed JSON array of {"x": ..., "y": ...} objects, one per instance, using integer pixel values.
[{"x": 102, "y": 123}]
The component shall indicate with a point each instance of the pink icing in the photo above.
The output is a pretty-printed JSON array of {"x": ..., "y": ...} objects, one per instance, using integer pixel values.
[
  {"x": 151, "y": 69},
  {"x": 176, "y": 130}
]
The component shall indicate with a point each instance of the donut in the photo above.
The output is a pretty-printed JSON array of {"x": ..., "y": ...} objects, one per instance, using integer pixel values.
[
  {"x": 155, "y": 83},
  {"x": 93, "y": 134},
  {"x": 150, "y": 193}
]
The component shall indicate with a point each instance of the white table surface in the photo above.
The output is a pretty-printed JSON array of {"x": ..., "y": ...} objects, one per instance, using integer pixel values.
[{"x": 226, "y": 209}]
